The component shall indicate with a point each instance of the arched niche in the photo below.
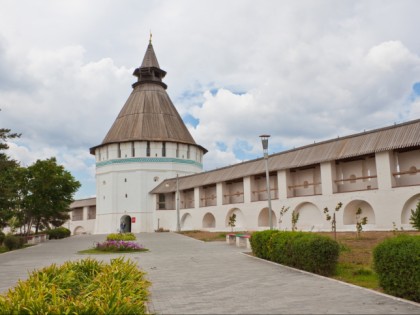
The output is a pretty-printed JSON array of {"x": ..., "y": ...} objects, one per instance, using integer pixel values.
[
  {"x": 310, "y": 217},
  {"x": 240, "y": 219},
  {"x": 410, "y": 204},
  {"x": 349, "y": 214},
  {"x": 209, "y": 221},
  {"x": 263, "y": 218},
  {"x": 187, "y": 222}
]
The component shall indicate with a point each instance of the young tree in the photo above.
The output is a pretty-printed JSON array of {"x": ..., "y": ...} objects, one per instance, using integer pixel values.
[
  {"x": 50, "y": 189},
  {"x": 332, "y": 219},
  {"x": 360, "y": 221},
  {"x": 415, "y": 217},
  {"x": 295, "y": 219},
  {"x": 282, "y": 213},
  {"x": 232, "y": 221}
]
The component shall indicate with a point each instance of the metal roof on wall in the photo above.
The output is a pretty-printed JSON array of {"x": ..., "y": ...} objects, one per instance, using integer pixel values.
[
  {"x": 394, "y": 137},
  {"x": 83, "y": 203}
]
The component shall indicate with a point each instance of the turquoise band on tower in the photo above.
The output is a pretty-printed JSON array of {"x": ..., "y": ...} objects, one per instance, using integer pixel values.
[{"x": 148, "y": 160}]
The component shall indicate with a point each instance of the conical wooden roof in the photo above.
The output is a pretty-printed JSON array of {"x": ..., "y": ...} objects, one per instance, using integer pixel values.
[{"x": 148, "y": 114}]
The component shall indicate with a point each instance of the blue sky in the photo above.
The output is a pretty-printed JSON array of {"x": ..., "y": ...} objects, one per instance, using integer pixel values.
[{"x": 301, "y": 71}]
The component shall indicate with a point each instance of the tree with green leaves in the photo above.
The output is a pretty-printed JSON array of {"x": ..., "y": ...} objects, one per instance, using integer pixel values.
[
  {"x": 9, "y": 169},
  {"x": 49, "y": 191},
  {"x": 415, "y": 217}
]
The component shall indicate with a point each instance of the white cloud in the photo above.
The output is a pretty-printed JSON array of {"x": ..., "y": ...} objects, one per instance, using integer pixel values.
[{"x": 298, "y": 70}]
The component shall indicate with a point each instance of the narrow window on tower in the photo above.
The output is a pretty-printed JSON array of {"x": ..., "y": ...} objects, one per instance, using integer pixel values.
[
  {"x": 119, "y": 150},
  {"x": 188, "y": 152},
  {"x": 133, "y": 150},
  {"x": 177, "y": 150},
  {"x": 148, "y": 149},
  {"x": 163, "y": 148}
]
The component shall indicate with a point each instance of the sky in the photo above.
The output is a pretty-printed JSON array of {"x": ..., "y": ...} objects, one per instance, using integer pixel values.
[{"x": 301, "y": 71}]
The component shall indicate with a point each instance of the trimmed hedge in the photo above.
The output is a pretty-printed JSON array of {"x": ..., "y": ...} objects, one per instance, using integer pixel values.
[
  {"x": 307, "y": 251},
  {"x": 12, "y": 242},
  {"x": 2, "y": 237},
  {"x": 397, "y": 263},
  {"x": 259, "y": 243},
  {"x": 121, "y": 237},
  {"x": 81, "y": 287},
  {"x": 57, "y": 233}
]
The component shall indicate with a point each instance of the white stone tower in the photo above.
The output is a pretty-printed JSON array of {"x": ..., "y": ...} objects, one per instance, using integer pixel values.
[{"x": 147, "y": 143}]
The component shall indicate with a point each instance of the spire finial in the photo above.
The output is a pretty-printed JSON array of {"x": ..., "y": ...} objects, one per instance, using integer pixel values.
[{"x": 150, "y": 39}]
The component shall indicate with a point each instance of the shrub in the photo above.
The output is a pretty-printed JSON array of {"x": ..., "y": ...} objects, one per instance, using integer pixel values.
[
  {"x": 121, "y": 237},
  {"x": 161, "y": 229},
  {"x": 12, "y": 242},
  {"x": 2, "y": 236},
  {"x": 57, "y": 233},
  {"x": 80, "y": 287},
  {"x": 397, "y": 263},
  {"x": 306, "y": 251},
  {"x": 259, "y": 243}
]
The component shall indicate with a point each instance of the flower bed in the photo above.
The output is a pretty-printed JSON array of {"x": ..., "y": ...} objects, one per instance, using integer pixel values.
[{"x": 116, "y": 246}]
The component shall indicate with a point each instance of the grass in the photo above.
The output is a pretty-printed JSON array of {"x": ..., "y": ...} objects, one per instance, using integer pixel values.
[
  {"x": 208, "y": 236},
  {"x": 95, "y": 251},
  {"x": 362, "y": 276},
  {"x": 355, "y": 263}
]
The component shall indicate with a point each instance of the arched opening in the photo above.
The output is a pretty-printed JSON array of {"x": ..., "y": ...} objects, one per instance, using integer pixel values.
[
  {"x": 411, "y": 204},
  {"x": 125, "y": 224},
  {"x": 349, "y": 214},
  {"x": 79, "y": 230},
  {"x": 186, "y": 222},
  {"x": 310, "y": 217},
  {"x": 240, "y": 220},
  {"x": 263, "y": 218},
  {"x": 209, "y": 220}
]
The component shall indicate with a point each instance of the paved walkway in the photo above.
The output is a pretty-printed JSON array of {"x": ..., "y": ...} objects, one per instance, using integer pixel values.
[{"x": 193, "y": 277}]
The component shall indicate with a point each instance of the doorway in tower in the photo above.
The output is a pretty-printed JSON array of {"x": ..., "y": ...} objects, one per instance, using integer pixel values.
[{"x": 125, "y": 224}]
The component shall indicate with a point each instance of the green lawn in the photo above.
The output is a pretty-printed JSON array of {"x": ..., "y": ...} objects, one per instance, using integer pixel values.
[{"x": 359, "y": 275}]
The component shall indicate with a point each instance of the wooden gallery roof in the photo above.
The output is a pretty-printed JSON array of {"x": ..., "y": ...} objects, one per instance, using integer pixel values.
[
  {"x": 396, "y": 137},
  {"x": 148, "y": 114}
]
